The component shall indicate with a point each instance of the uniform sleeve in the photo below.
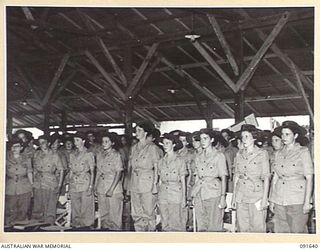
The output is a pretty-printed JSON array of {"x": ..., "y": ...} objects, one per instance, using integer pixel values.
[
  {"x": 64, "y": 160},
  {"x": 118, "y": 163},
  {"x": 307, "y": 162},
  {"x": 222, "y": 165},
  {"x": 182, "y": 167},
  {"x": 265, "y": 164},
  {"x": 154, "y": 153},
  {"x": 235, "y": 165},
  {"x": 29, "y": 165},
  {"x": 58, "y": 162},
  {"x": 90, "y": 156}
]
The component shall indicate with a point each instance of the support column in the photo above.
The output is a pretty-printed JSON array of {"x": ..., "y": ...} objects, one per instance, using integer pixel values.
[
  {"x": 239, "y": 98},
  {"x": 64, "y": 121},
  {"x": 46, "y": 122},
  {"x": 129, "y": 103},
  {"x": 9, "y": 125},
  {"x": 209, "y": 116}
]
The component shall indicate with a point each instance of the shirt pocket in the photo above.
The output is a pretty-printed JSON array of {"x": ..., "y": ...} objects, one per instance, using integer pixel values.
[{"x": 257, "y": 186}]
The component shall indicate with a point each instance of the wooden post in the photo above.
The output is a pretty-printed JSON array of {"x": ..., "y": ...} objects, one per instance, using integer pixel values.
[
  {"x": 46, "y": 122},
  {"x": 129, "y": 103},
  {"x": 64, "y": 119},
  {"x": 239, "y": 98},
  {"x": 208, "y": 114},
  {"x": 9, "y": 125}
]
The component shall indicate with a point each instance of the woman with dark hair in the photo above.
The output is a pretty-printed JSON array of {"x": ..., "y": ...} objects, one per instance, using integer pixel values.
[
  {"x": 81, "y": 183},
  {"x": 108, "y": 185},
  {"x": 19, "y": 183},
  {"x": 251, "y": 183},
  {"x": 209, "y": 190},
  {"x": 292, "y": 183},
  {"x": 172, "y": 190},
  {"x": 142, "y": 170}
]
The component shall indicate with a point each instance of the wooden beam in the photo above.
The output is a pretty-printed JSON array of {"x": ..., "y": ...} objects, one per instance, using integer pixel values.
[
  {"x": 55, "y": 79},
  {"x": 106, "y": 75},
  {"x": 70, "y": 20},
  {"x": 248, "y": 73},
  {"x": 285, "y": 58},
  {"x": 145, "y": 76},
  {"x": 9, "y": 125},
  {"x": 214, "y": 65},
  {"x": 225, "y": 46},
  {"x": 112, "y": 61},
  {"x": 27, "y": 79},
  {"x": 303, "y": 92},
  {"x": 145, "y": 63},
  {"x": 63, "y": 85}
]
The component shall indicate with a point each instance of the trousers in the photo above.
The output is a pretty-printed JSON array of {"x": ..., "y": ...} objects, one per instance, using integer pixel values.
[
  {"x": 82, "y": 209},
  {"x": 143, "y": 211},
  {"x": 290, "y": 219},
  {"x": 250, "y": 219},
  {"x": 209, "y": 216},
  {"x": 16, "y": 207},
  {"x": 45, "y": 205},
  {"x": 172, "y": 217},
  {"x": 110, "y": 210}
]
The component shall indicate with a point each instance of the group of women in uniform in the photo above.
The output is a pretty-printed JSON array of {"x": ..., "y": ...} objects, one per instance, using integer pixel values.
[{"x": 167, "y": 175}]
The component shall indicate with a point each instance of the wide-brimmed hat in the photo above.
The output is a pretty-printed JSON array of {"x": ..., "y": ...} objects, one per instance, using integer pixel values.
[
  {"x": 277, "y": 132},
  {"x": 44, "y": 137},
  {"x": 175, "y": 140},
  {"x": 294, "y": 127},
  {"x": 249, "y": 128},
  {"x": 80, "y": 134},
  {"x": 14, "y": 140},
  {"x": 195, "y": 135}
]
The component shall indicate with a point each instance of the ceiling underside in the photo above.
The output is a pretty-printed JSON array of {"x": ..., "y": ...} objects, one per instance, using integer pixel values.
[{"x": 77, "y": 61}]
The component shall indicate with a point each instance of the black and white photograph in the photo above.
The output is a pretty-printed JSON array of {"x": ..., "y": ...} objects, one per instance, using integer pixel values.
[{"x": 159, "y": 119}]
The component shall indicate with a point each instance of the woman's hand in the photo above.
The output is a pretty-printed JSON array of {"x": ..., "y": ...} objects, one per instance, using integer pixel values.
[
  {"x": 109, "y": 193},
  {"x": 306, "y": 208},
  {"x": 264, "y": 204},
  {"x": 233, "y": 204},
  {"x": 271, "y": 207},
  {"x": 89, "y": 190},
  {"x": 223, "y": 203}
]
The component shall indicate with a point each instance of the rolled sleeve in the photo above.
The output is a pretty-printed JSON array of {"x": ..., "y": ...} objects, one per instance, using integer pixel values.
[
  {"x": 222, "y": 165},
  {"x": 118, "y": 166},
  {"x": 265, "y": 164}
]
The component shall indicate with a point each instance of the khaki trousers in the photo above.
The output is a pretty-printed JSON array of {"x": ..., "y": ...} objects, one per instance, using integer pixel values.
[
  {"x": 172, "y": 219},
  {"x": 82, "y": 209},
  {"x": 110, "y": 210},
  {"x": 250, "y": 219},
  {"x": 290, "y": 219},
  {"x": 209, "y": 216},
  {"x": 16, "y": 207},
  {"x": 143, "y": 211},
  {"x": 45, "y": 205}
]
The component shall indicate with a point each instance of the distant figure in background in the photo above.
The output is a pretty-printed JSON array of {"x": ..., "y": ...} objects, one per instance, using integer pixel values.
[
  {"x": 91, "y": 143},
  {"x": 143, "y": 161},
  {"x": 46, "y": 164},
  {"x": 19, "y": 181},
  {"x": 292, "y": 183},
  {"x": 251, "y": 183},
  {"x": 81, "y": 184},
  {"x": 172, "y": 190},
  {"x": 230, "y": 152},
  {"x": 108, "y": 185},
  {"x": 209, "y": 190}
]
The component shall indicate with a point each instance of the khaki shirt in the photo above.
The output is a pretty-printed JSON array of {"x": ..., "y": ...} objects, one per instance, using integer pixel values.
[
  {"x": 80, "y": 164},
  {"x": 251, "y": 169},
  {"x": 186, "y": 155},
  {"x": 208, "y": 169},
  {"x": 291, "y": 169},
  {"x": 108, "y": 164},
  {"x": 170, "y": 172},
  {"x": 95, "y": 148},
  {"x": 141, "y": 163},
  {"x": 29, "y": 151},
  {"x": 45, "y": 166},
  {"x": 17, "y": 170},
  {"x": 231, "y": 153}
]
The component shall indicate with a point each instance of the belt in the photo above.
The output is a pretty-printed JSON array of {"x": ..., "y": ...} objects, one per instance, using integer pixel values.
[
  {"x": 291, "y": 178},
  {"x": 17, "y": 177},
  {"x": 79, "y": 173},
  {"x": 246, "y": 177},
  {"x": 208, "y": 178}
]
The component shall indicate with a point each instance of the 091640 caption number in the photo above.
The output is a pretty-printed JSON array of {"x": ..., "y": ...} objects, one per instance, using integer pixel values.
[{"x": 305, "y": 246}]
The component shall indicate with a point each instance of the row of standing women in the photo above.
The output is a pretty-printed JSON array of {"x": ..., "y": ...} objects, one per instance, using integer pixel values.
[{"x": 169, "y": 178}]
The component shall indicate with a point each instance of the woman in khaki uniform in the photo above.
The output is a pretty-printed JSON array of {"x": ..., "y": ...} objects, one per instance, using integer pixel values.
[
  {"x": 292, "y": 183},
  {"x": 46, "y": 164},
  {"x": 19, "y": 183},
  {"x": 108, "y": 183},
  {"x": 142, "y": 168},
  {"x": 251, "y": 183},
  {"x": 81, "y": 184},
  {"x": 172, "y": 190},
  {"x": 209, "y": 189}
]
